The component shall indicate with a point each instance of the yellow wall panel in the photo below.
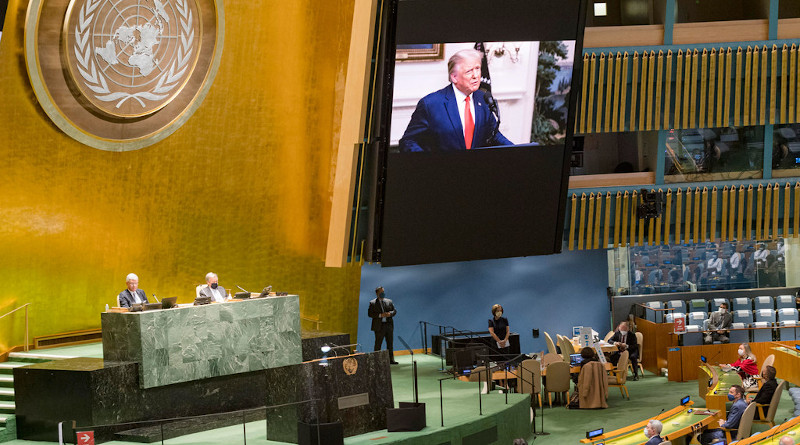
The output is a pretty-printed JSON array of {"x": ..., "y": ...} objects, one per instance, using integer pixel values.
[{"x": 243, "y": 188}]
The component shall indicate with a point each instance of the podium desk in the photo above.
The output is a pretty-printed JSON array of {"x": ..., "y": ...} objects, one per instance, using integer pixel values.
[
  {"x": 197, "y": 342},
  {"x": 713, "y": 386}
]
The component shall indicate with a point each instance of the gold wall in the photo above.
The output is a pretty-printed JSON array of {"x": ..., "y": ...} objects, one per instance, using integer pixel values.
[{"x": 242, "y": 189}]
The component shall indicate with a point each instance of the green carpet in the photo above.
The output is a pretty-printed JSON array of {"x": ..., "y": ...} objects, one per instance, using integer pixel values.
[{"x": 648, "y": 396}]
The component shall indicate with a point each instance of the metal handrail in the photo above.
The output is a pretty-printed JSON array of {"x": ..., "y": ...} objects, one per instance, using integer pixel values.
[{"x": 27, "y": 343}]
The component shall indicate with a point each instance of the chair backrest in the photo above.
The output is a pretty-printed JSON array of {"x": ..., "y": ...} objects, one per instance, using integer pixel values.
[
  {"x": 763, "y": 302},
  {"x": 769, "y": 361},
  {"x": 478, "y": 373},
  {"x": 767, "y": 315},
  {"x": 773, "y": 404},
  {"x": 530, "y": 376},
  {"x": 666, "y": 442},
  {"x": 640, "y": 342},
  {"x": 609, "y": 335},
  {"x": 569, "y": 346},
  {"x": 787, "y": 314},
  {"x": 742, "y": 304},
  {"x": 565, "y": 346},
  {"x": 622, "y": 368},
  {"x": 697, "y": 305},
  {"x": 197, "y": 290},
  {"x": 551, "y": 357},
  {"x": 696, "y": 318},
  {"x": 784, "y": 301},
  {"x": 551, "y": 347},
  {"x": 743, "y": 316},
  {"x": 558, "y": 377},
  {"x": 677, "y": 305},
  {"x": 746, "y": 422},
  {"x": 119, "y": 303},
  {"x": 715, "y": 303}
]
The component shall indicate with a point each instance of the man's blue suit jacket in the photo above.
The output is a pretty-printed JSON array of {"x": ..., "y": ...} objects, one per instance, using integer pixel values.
[{"x": 436, "y": 125}]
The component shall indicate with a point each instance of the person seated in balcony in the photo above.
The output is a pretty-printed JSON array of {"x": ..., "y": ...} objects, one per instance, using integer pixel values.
[{"x": 718, "y": 325}]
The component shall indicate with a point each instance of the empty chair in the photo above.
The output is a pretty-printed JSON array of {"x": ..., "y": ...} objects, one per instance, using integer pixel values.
[
  {"x": 765, "y": 318},
  {"x": 743, "y": 316},
  {"x": 558, "y": 380},
  {"x": 763, "y": 302},
  {"x": 739, "y": 333},
  {"x": 677, "y": 306},
  {"x": 718, "y": 301},
  {"x": 654, "y": 315},
  {"x": 551, "y": 358},
  {"x": 693, "y": 335},
  {"x": 696, "y": 319},
  {"x": 609, "y": 335},
  {"x": 551, "y": 347},
  {"x": 784, "y": 301},
  {"x": 530, "y": 379},
  {"x": 742, "y": 304},
  {"x": 566, "y": 348},
  {"x": 787, "y": 323},
  {"x": 479, "y": 374},
  {"x": 697, "y": 305},
  {"x": 670, "y": 317},
  {"x": 620, "y": 374}
]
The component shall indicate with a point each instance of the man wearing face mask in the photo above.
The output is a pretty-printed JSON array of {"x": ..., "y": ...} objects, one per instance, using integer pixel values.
[
  {"x": 381, "y": 311},
  {"x": 213, "y": 289},
  {"x": 735, "y": 395},
  {"x": 718, "y": 325},
  {"x": 652, "y": 431},
  {"x": 625, "y": 340}
]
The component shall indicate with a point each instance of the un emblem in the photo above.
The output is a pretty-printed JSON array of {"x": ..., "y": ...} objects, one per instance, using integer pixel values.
[{"x": 122, "y": 74}]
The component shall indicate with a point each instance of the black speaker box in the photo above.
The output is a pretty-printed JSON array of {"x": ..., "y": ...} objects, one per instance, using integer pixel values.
[
  {"x": 409, "y": 417},
  {"x": 329, "y": 433}
]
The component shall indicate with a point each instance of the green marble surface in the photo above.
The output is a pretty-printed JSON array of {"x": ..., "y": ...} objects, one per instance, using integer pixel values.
[{"x": 198, "y": 342}]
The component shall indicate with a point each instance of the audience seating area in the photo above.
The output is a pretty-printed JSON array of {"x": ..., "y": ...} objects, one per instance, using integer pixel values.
[{"x": 762, "y": 318}]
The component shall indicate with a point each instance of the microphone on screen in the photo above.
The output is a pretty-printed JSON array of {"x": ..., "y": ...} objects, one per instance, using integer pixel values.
[{"x": 487, "y": 96}]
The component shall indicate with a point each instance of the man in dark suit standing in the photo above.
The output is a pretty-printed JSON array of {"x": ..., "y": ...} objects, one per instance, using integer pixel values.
[
  {"x": 381, "y": 311},
  {"x": 455, "y": 118},
  {"x": 132, "y": 295},
  {"x": 625, "y": 340}
]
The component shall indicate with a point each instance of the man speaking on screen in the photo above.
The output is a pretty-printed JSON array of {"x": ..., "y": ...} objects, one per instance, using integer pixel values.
[{"x": 457, "y": 117}]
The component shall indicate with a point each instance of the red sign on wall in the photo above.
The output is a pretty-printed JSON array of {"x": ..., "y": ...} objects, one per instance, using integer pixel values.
[{"x": 85, "y": 437}]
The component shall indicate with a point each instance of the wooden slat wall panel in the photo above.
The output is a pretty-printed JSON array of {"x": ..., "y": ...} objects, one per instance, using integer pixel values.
[
  {"x": 602, "y": 219},
  {"x": 711, "y": 87}
]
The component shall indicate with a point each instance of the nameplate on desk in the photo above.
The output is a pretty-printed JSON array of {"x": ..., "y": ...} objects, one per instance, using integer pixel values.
[{"x": 354, "y": 400}]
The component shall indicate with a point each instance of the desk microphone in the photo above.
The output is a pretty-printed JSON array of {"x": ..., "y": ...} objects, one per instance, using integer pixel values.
[
  {"x": 659, "y": 413},
  {"x": 157, "y": 300},
  {"x": 712, "y": 358},
  {"x": 242, "y": 289}
]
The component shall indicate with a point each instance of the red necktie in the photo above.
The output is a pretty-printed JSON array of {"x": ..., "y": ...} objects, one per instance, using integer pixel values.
[{"x": 469, "y": 124}]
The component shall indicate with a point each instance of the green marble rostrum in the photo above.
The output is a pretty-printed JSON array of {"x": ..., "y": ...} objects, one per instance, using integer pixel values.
[{"x": 198, "y": 342}]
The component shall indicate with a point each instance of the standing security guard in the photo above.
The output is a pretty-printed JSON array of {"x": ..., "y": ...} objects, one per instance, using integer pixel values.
[{"x": 382, "y": 311}]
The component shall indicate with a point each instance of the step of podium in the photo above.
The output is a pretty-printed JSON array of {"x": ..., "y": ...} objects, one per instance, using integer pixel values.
[
  {"x": 35, "y": 357},
  {"x": 171, "y": 430}
]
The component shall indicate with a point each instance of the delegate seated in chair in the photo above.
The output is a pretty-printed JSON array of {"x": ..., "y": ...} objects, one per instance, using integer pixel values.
[
  {"x": 735, "y": 394},
  {"x": 770, "y": 384},
  {"x": 625, "y": 340},
  {"x": 718, "y": 325}
]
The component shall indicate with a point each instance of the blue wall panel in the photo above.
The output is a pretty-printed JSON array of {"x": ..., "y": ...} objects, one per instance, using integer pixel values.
[{"x": 551, "y": 293}]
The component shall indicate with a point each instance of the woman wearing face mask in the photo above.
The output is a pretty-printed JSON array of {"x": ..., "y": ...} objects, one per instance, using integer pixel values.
[
  {"x": 746, "y": 365},
  {"x": 499, "y": 329}
]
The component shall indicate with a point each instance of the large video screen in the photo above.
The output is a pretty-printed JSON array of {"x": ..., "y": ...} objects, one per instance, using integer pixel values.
[{"x": 479, "y": 124}]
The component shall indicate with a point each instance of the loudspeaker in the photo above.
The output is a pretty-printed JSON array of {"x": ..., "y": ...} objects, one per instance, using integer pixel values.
[
  {"x": 409, "y": 417},
  {"x": 329, "y": 433}
]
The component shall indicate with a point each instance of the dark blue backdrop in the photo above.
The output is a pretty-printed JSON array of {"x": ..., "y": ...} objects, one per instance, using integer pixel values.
[{"x": 551, "y": 293}]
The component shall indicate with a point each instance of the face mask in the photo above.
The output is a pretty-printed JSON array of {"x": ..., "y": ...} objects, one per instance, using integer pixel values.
[
  {"x": 647, "y": 433},
  {"x": 623, "y": 332},
  {"x": 499, "y": 314},
  {"x": 381, "y": 295},
  {"x": 731, "y": 397},
  {"x": 741, "y": 353},
  {"x": 722, "y": 310},
  {"x": 214, "y": 285}
]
